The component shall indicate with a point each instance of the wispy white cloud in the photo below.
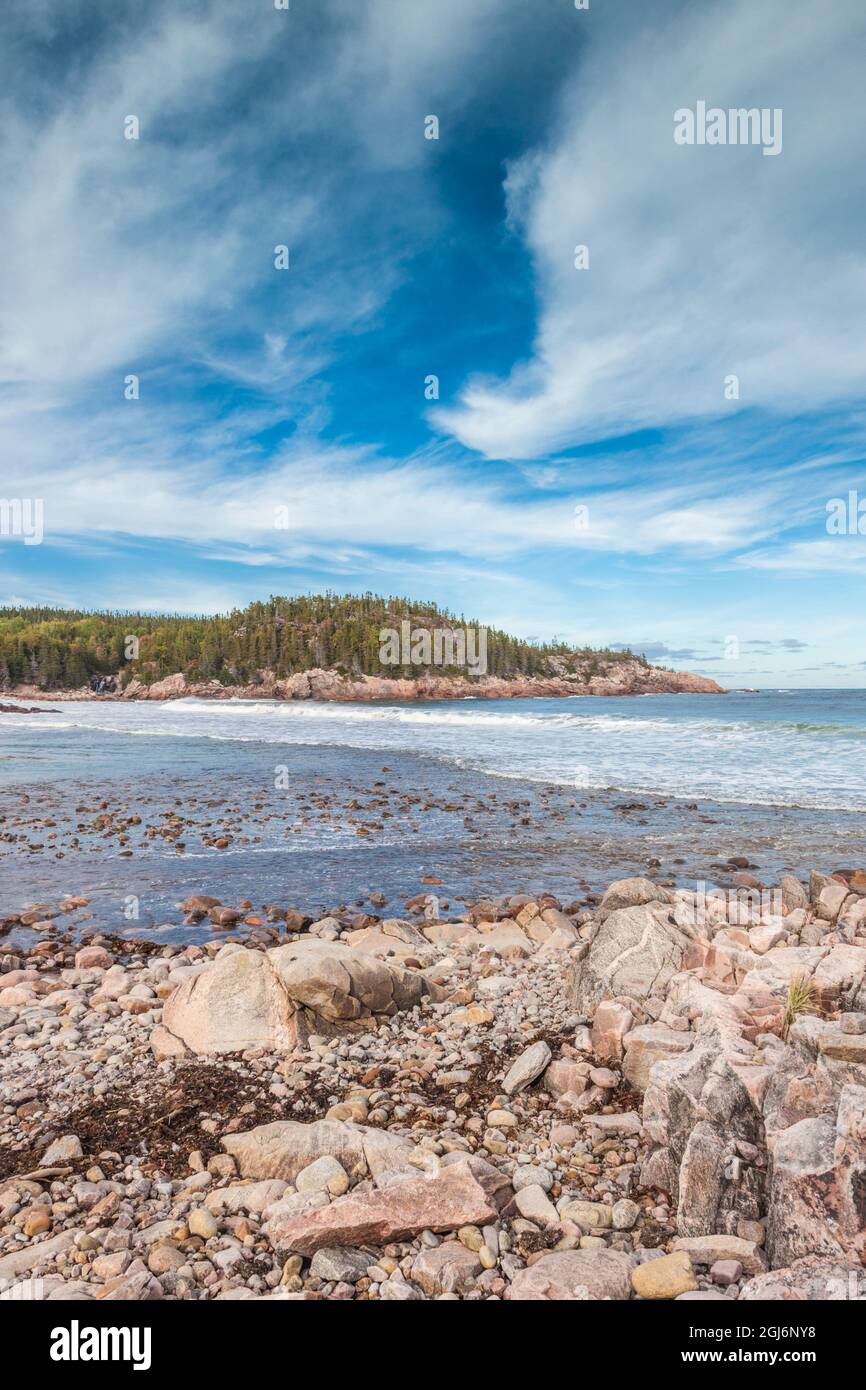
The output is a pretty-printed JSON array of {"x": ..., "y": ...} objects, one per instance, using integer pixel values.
[
  {"x": 145, "y": 474},
  {"x": 117, "y": 251},
  {"x": 704, "y": 261},
  {"x": 830, "y": 554}
]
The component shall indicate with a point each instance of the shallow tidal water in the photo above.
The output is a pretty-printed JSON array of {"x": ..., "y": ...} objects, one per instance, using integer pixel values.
[{"x": 313, "y": 806}]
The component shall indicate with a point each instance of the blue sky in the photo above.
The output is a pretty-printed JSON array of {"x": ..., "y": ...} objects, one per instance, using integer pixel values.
[{"x": 704, "y": 537}]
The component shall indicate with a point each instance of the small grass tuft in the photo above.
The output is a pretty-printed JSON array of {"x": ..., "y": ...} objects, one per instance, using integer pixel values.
[{"x": 802, "y": 999}]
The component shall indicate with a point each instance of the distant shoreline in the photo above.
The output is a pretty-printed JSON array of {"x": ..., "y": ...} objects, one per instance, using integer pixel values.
[{"x": 627, "y": 678}]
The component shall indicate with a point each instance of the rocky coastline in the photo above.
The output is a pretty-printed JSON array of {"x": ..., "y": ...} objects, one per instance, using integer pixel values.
[
  {"x": 625, "y": 678},
  {"x": 658, "y": 1096}
]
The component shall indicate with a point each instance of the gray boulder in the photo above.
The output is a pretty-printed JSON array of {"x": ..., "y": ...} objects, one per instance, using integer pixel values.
[
  {"x": 250, "y": 999},
  {"x": 636, "y": 952},
  {"x": 631, "y": 892},
  {"x": 341, "y": 985},
  {"x": 284, "y": 1148},
  {"x": 235, "y": 1004}
]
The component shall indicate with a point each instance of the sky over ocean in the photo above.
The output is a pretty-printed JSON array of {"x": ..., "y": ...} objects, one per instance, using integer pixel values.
[{"x": 445, "y": 395}]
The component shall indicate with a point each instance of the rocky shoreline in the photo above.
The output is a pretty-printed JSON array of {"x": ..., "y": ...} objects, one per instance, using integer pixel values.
[
  {"x": 659, "y": 1097},
  {"x": 625, "y": 678}
]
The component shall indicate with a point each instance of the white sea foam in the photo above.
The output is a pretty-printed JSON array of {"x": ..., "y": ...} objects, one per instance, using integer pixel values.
[{"x": 797, "y": 749}]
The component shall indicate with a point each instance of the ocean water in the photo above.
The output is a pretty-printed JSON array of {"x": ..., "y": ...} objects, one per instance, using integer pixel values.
[
  {"x": 317, "y": 805},
  {"x": 771, "y": 748}
]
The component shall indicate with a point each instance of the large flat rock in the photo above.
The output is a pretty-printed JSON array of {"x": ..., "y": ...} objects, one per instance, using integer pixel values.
[
  {"x": 34, "y": 1255},
  {"x": 575, "y": 1274},
  {"x": 399, "y": 1211}
]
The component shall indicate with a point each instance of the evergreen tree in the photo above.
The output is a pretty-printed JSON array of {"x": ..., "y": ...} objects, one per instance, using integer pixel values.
[{"x": 65, "y": 649}]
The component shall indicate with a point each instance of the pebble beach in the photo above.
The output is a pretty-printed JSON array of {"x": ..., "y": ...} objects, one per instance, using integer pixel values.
[{"x": 468, "y": 1107}]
